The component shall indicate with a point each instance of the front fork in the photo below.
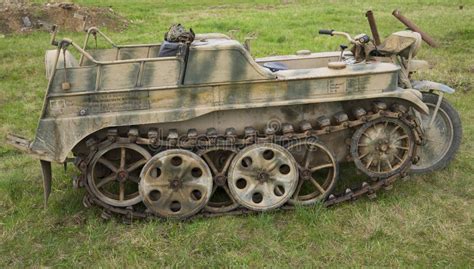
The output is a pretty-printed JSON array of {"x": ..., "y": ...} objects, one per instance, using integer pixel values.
[{"x": 435, "y": 112}]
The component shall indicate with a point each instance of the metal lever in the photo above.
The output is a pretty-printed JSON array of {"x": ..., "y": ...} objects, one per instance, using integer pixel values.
[
  {"x": 54, "y": 30},
  {"x": 343, "y": 47}
]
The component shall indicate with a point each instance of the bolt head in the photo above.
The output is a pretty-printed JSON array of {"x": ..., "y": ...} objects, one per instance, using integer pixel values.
[
  {"x": 263, "y": 177},
  {"x": 220, "y": 180},
  {"x": 175, "y": 184},
  {"x": 122, "y": 176},
  {"x": 306, "y": 174}
]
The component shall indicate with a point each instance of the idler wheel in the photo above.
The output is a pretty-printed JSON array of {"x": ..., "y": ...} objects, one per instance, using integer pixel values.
[
  {"x": 318, "y": 171},
  {"x": 383, "y": 147},
  {"x": 175, "y": 184},
  {"x": 263, "y": 176},
  {"x": 113, "y": 174}
]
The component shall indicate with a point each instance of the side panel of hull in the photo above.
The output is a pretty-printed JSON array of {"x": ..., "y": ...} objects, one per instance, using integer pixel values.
[{"x": 71, "y": 117}]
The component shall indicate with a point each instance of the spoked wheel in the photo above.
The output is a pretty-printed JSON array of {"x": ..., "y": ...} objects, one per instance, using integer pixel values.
[
  {"x": 219, "y": 160},
  {"x": 318, "y": 170},
  {"x": 383, "y": 147},
  {"x": 442, "y": 135},
  {"x": 176, "y": 184},
  {"x": 263, "y": 176},
  {"x": 114, "y": 174}
]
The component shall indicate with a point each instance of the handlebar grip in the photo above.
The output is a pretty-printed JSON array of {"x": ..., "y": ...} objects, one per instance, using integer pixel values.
[{"x": 326, "y": 32}]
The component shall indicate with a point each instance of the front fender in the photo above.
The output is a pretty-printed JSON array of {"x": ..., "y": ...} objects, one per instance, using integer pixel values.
[{"x": 426, "y": 85}]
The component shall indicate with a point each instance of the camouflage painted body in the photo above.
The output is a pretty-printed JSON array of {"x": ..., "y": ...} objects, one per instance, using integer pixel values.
[
  {"x": 132, "y": 86},
  {"x": 196, "y": 126},
  {"x": 123, "y": 111}
]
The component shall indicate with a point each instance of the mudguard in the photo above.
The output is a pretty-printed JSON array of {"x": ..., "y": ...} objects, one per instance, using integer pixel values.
[{"x": 426, "y": 85}]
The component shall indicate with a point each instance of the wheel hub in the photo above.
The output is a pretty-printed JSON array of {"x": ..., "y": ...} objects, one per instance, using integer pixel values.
[
  {"x": 305, "y": 174},
  {"x": 220, "y": 180},
  {"x": 176, "y": 184},
  {"x": 122, "y": 176},
  {"x": 383, "y": 146},
  {"x": 263, "y": 177}
]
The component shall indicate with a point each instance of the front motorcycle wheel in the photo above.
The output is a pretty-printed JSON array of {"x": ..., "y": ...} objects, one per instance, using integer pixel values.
[{"x": 442, "y": 135}]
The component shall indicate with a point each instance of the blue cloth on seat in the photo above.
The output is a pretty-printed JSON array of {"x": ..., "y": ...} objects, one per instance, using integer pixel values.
[{"x": 275, "y": 66}]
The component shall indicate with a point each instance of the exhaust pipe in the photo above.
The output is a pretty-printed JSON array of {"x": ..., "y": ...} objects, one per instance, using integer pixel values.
[
  {"x": 373, "y": 27},
  {"x": 414, "y": 28}
]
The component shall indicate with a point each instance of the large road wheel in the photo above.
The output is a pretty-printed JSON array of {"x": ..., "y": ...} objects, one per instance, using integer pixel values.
[
  {"x": 175, "y": 184},
  {"x": 318, "y": 171},
  {"x": 263, "y": 176},
  {"x": 114, "y": 174},
  {"x": 219, "y": 159},
  {"x": 443, "y": 136}
]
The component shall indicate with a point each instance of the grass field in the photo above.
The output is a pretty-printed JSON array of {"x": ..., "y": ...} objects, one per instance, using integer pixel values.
[{"x": 423, "y": 222}]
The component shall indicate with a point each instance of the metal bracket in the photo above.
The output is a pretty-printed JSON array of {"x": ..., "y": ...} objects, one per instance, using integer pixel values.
[{"x": 47, "y": 179}]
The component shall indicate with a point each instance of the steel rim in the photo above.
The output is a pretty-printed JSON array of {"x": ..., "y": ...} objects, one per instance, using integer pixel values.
[
  {"x": 116, "y": 168},
  {"x": 383, "y": 147},
  {"x": 263, "y": 176},
  {"x": 176, "y": 183},
  {"x": 317, "y": 171},
  {"x": 219, "y": 159},
  {"x": 439, "y": 138}
]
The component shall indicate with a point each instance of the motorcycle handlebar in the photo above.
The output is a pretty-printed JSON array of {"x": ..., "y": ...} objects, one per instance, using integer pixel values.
[
  {"x": 332, "y": 33},
  {"x": 326, "y": 32}
]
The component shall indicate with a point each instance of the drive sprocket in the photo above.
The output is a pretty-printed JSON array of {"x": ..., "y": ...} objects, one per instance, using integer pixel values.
[{"x": 383, "y": 147}]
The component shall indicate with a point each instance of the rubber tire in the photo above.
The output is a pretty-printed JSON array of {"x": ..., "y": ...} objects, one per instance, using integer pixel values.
[{"x": 451, "y": 112}]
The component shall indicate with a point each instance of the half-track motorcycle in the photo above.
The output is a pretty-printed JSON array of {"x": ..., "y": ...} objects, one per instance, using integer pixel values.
[{"x": 196, "y": 126}]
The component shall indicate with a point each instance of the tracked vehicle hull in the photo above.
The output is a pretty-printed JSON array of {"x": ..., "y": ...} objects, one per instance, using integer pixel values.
[
  {"x": 212, "y": 131},
  {"x": 70, "y": 116}
]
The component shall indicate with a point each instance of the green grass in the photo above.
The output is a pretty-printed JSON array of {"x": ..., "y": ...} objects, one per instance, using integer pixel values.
[{"x": 423, "y": 222}]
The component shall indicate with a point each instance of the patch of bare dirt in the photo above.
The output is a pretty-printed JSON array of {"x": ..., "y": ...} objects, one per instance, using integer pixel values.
[{"x": 23, "y": 17}]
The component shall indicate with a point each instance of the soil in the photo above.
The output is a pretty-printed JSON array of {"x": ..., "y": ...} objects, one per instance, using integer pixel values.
[{"x": 22, "y": 17}]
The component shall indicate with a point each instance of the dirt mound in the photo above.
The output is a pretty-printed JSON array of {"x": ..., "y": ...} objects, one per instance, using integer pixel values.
[{"x": 17, "y": 17}]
